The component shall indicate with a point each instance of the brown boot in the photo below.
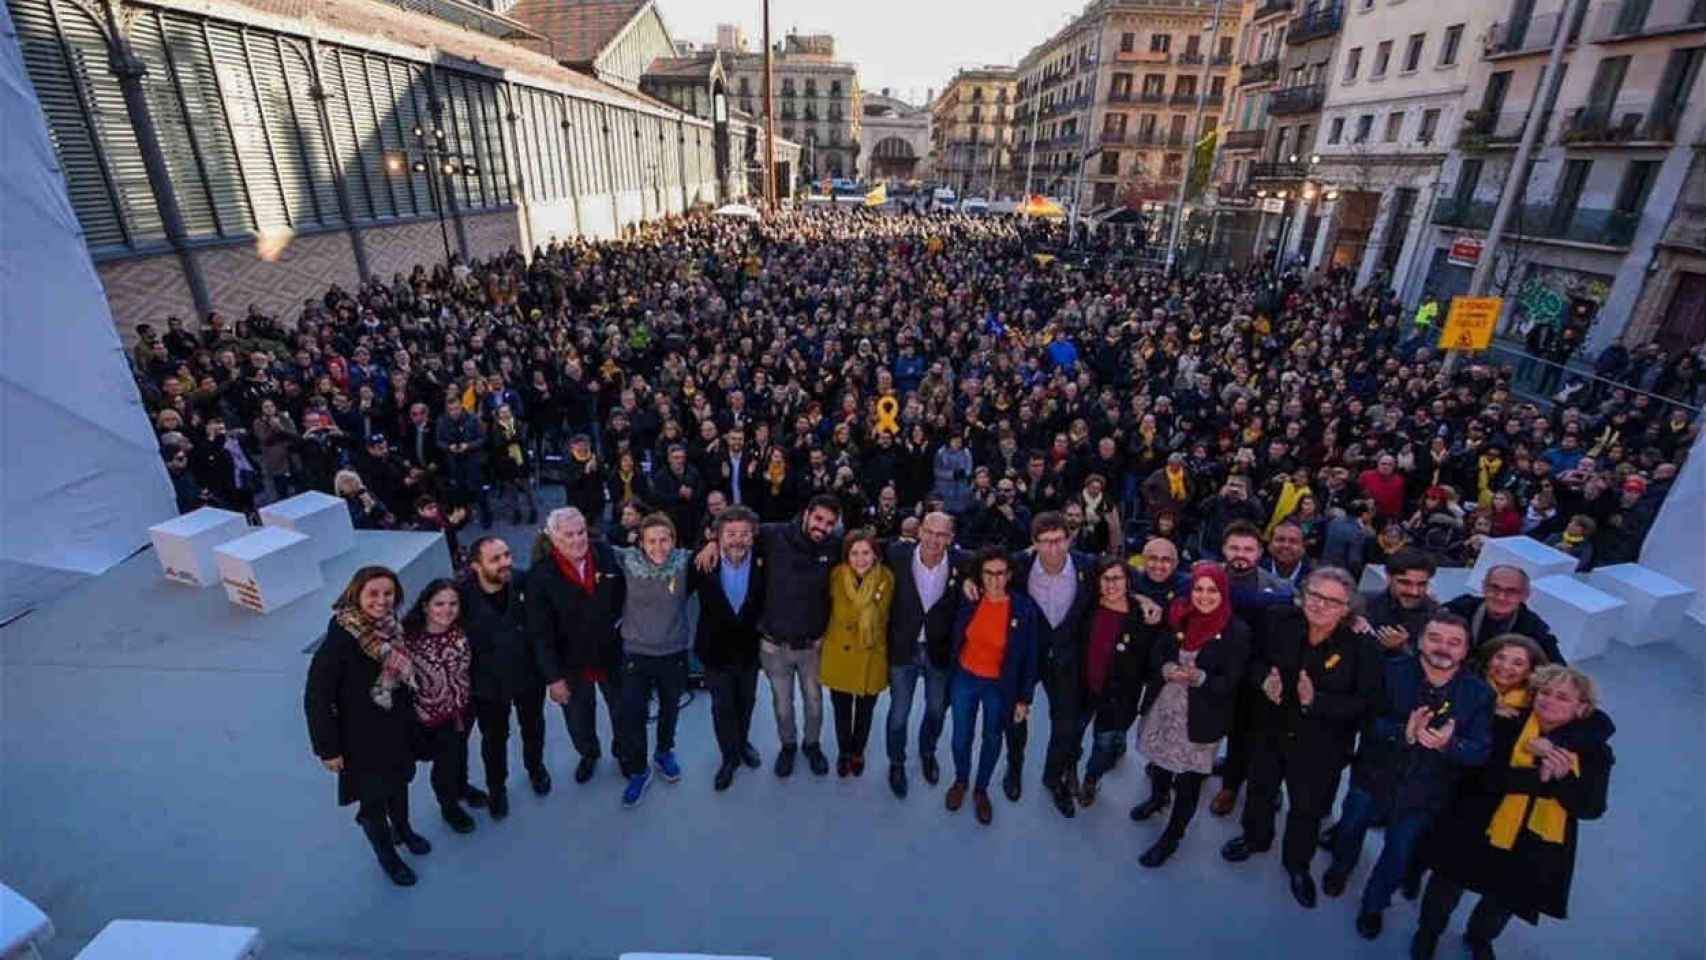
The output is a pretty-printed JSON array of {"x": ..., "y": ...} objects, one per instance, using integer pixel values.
[
  {"x": 956, "y": 796},
  {"x": 1223, "y": 802},
  {"x": 985, "y": 811}
]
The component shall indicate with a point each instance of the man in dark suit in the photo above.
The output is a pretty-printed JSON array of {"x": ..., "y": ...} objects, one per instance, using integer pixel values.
[
  {"x": 733, "y": 469},
  {"x": 927, "y": 584},
  {"x": 420, "y": 445},
  {"x": 731, "y": 597},
  {"x": 505, "y": 672}
]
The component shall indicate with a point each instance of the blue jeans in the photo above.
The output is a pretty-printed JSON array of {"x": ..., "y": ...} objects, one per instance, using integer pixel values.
[
  {"x": 1403, "y": 829},
  {"x": 903, "y": 682},
  {"x": 967, "y": 693}
]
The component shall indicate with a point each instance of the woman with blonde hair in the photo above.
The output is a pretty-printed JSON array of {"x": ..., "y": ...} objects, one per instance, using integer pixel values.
[{"x": 855, "y": 664}]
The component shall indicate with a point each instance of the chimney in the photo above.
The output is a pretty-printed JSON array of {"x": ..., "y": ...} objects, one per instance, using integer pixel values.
[{"x": 885, "y": 91}]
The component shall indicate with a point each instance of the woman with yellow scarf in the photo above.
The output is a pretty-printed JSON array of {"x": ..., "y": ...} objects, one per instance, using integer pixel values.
[
  {"x": 1511, "y": 833},
  {"x": 855, "y": 664}
]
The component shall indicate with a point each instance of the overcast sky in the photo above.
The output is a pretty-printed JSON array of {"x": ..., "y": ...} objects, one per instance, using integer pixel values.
[{"x": 908, "y": 46}]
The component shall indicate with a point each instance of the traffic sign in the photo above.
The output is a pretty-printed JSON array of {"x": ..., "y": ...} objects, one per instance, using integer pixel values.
[
  {"x": 1469, "y": 325},
  {"x": 1465, "y": 251}
]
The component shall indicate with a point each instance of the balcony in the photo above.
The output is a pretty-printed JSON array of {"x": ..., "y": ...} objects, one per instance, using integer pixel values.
[
  {"x": 1220, "y": 60},
  {"x": 1274, "y": 8},
  {"x": 1315, "y": 24},
  {"x": 1177, "y": 138},
  {"x": 1482, "y": 131},
  {"x": 1143, "y": 56},
  {"x": 1544, "y": 221},
  {"x": 1188, "y": 59},
  {"x": 1263, "y": 71},
  {"x": 1186, "y": 98},
  {"x": 1527, "y": 36},
  {"x": 1244, "y": 139},
  {"x": 1152, "y": 96},
  {"x": 1631, "y": 125},
  {"x": 1121, "y": 96},
  {"x": 1273, "y": 170},
  {"x": 1300, "y": 99},
  {"x": 1635, "y": 19}
]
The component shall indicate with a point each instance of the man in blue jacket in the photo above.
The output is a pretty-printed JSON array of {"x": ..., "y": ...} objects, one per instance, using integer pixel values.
[
  {"x": 995, "y": 670},
  {"x": 1433, "y": 724}
]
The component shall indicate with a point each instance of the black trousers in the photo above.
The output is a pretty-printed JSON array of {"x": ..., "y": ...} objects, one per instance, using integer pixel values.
[
  {"x": 447, "y": 749},
  {"x": 492, "y": 714},
  {"x": 734, "y": 691},
  {"x": 1486, "y": 922},
  {"x": 852, "y": 720},
  {"x": 1186, "y": 789},
  {"x": 1237, "y": 765},
  {"x": 1309, "y": 770},
  {"x": 641, "y": 675},
  {"x": 580, "y": 714},
  {"x": 394, "y": 807},
  {"x": 1060, "y": 681}
]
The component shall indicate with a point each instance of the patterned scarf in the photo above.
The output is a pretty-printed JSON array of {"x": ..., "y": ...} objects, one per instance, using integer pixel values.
[
  {"x": 442, "y": 684},
  {"x": 382, "y": 641},
  {"x": 636, "y": 564}
]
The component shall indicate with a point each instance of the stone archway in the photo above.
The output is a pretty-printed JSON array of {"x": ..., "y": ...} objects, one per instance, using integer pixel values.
[{"x": 893, "y": 157}]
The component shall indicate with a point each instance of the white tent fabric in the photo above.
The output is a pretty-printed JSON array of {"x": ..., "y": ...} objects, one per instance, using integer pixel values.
[
  {"x": 738, "y": 210},
  {"x": 81, "y": 478},
  {"x": 1673, "y": 546}
]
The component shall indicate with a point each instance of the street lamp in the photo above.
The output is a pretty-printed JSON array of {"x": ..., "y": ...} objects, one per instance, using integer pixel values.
[{"x": 434, "y": 158}]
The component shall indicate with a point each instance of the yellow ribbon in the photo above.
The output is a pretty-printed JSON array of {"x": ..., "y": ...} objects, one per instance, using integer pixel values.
[{"x": 888, "y": 415}]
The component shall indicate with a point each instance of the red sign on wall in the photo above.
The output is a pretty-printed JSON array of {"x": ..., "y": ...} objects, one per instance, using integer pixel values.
[{"x": 1465, "y": 251}]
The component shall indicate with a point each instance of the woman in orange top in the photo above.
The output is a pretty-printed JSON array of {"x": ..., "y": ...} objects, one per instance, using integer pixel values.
[{"x": 995, "y": 669}]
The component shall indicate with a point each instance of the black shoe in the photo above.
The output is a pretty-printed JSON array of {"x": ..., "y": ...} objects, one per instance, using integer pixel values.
[
  {"x": 1368, "y": 925},
  {"x": 819, "y": 763},
  {"x": 474, "y": 797},
  {"x": 931, "y": 769},
  {"x": 585, "y": 769},
  {"x": 1333, "y": 882},
  {"x": 379, "y": 837},
  {"x": 457, "y": 818},
  {"x": 843, "y": 766},
  {"x": 1157, "y": 855},
  {"x": 1423, "y": 945},
  {"x": 897, "y": 779},
  {"x": 1479, "y": 949},
  {"x": 499, "y": 805},
  {"x": 725, "y": 776},
  {"x": 785, "y": 760},
  {"x": 1087, "y": 792},
  {"x": 1156, "y": 803},
  {"x": 1411, "y": 888},
  {"x": 1303, "y": 888},
  {"x": 541, "y": 779},
  {"x": 407, "y": 837},
  {"x": 1071, "y": 780},
  {"x": 1011, "y": 785},
  {"x": 1240, "y": 849},
  {"x": 749, "y": 756},
  {"x": 1329, "y": 836},
  {"x": 1063, "y": 801}
]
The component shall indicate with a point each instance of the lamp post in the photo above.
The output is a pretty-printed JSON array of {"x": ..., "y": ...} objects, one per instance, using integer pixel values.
[
  {"x": 436, "y": 160},
  {"x": 1305, "y": 195}
]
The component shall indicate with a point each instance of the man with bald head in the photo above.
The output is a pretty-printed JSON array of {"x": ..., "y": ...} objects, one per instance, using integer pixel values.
[
  {"x": 926, "y": 597},
  {"x": 1159, "y": 577}
]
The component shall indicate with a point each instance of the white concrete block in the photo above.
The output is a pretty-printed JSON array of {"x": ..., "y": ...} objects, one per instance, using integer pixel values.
[
  {"x": 1449, "y": 583},
  {"x": 185, "y": 544},
  {"x": 156, "y": 940},
  {"x": 321, "y": 517},
  {"x": 268, "y": 568},
  {"x": 1532, "y": 556},
  {"x": 1656, "y": 603},
  {"x": 1582, "y": 618},
  {"x": 23, "y": 927},
  {"x": 1374, "y": 580}
]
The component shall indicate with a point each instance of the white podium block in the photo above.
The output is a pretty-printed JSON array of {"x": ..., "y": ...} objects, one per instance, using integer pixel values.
[
  {"x": 1532, "y": 556},
  {"x": 185, "y": 544},
  {"x": 268, "y": 568},
  {"x": 156, "y": 940},
  {"x": 320, "y": 517},
  {"x": 1374, "y": 580},
  {"x": 23, "y": 927},
  {"x": 1449, "y": 583},
  {"x": 1656, "y": 603},
  {"x": 1583, "y": 619}
]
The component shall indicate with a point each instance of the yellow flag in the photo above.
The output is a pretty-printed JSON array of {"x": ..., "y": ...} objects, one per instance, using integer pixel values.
[{"x": 877, "y": 197}]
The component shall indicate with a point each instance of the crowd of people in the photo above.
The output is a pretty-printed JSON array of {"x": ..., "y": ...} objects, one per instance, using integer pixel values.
[{"x": 870, "y": 453}]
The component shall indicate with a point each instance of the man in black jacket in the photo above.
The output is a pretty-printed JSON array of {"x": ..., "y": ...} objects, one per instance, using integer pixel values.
[
  {"x": 575, "y": 592},
  {"x": 731, "y": 598},
  {"x": 927, "y": 583},
  {"x": 505, "y": 672},
  {"x": 1503, "y": 608},
  {"x": 1318, "y": 680}
]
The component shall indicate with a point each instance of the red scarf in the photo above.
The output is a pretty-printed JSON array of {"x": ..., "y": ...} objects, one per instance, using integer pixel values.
[
  {"x": 572, "y": 573},
  {"x": 1196, "y": 628}
]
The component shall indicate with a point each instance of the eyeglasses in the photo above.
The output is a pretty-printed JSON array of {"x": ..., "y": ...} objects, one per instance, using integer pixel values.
[
  {"x": 1324, "y": 600},
  {"x": 1501, "y": 591},
  {"x": 996, "y": 574},
  {"x": 1113, "y": 578}
]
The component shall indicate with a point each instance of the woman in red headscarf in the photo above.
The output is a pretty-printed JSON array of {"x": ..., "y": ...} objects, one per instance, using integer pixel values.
[{"x": 1194, "y": 675}]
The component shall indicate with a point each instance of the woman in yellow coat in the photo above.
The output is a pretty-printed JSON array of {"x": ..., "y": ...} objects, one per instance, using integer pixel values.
[{"x": 855, "y": 650}]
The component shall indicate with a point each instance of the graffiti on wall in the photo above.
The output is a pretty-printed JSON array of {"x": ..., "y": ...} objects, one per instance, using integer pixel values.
[{"x": 1547, "y": 293}]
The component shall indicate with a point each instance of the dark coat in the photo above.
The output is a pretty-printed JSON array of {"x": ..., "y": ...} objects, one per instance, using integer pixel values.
[
  {"x": 570, "y": 630},
  {"x": 343, "y": 721},
  {"x": 907, "y": 616},
  {"x": 1060, "y": 641},
  {"x": 1533, "y": 877},
  {"x": 1404, "y": 776},
  {"x": 504, "y": 667},
  {"x": 1208, "y": 708},
  {"x": 1526, "y": 622},
  {"x": 725, "y": 639},
  {"x": 1345, "y": 670},
  {"x": 1128, "y": 667}
]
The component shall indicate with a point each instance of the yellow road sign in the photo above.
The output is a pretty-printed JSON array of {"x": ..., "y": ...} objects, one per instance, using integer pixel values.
[{"x": 1469, "y": 325}]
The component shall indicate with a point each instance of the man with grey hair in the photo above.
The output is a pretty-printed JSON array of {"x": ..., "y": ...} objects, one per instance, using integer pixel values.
[
  {"x": 574, "y": 596},
  {"x": 1503, "y": 608},
  {"x": 1319, "y": 679},
  {"x": 926, "y": 596}
]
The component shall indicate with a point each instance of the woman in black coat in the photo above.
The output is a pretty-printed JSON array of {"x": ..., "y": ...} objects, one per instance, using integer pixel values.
[
  {"x": 1511, "y": 834},
  {"x": 1114, "y": 646},
  {"x": 361, "y": 721}
]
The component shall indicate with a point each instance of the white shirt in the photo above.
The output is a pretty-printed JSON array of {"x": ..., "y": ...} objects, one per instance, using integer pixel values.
[
  {"x": 1053, "y": 592},
  {"x": 931, "y": 582}
]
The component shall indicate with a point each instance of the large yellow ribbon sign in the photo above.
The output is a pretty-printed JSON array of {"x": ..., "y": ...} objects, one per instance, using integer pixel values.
[{"x": 888, "y": 413}]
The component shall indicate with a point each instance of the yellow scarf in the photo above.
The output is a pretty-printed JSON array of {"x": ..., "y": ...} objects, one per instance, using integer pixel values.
[
  {"x": 776, "y": 473},
  {"x": 1571, "y": 539},
  {"x": 1517, "y": 697},
  {"x": 1546, "y": 817},
  {"x": 1283, "y": 507},
  {"x": 871, "y": 598},
  {"x": 1489, "y": 468},
  {"x": 1176, "y": 482}
]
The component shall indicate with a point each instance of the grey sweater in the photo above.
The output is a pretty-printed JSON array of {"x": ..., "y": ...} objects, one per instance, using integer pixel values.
[{"x": 654, "y": 616}]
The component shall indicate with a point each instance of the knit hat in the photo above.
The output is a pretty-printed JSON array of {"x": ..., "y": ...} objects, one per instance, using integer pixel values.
[{"x": 1636, "y": 483}]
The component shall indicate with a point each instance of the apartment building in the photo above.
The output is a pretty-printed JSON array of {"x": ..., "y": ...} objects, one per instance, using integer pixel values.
[
  {"x": 818, "y": 101},
  {"x": 1609, "y": 168},
  {"x": 1237, "y": 215},
  {"x": 1108, "y": 105},
  {"x": 972, "y": 132}
]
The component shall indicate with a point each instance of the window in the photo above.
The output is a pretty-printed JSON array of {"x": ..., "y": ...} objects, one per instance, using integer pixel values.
[
  {"x": 1193, "y": 44},
  {"x": 1110, "y": 164},
  {"x": 1637, "y": 183},
  {"x": 1121, "y": 89},
  {"x": 1353, "y": 60},
  {"x": 1382, "y": 57},
  {"x": 1173, "y": 167},
  {"x": 1185, "y": 86},
  {"x": 1453, "y": 41},
  {"x": 1413, "y": 52},
  {"x": 1160, "y": 42},
  {"x": 1493, "y": 98},
  {"x": 1394, "y": 126},
  {"x": 1468, "y": 178},
  {"x": 1155, "y": 85},
  {"x": 1225, "y": 49},
  {"x": 1569, "y": 194},
  {"x": 1336, "y": 132},
  {"x": 977, "y": 93},
  {"x": 1430, "y": 126},
  {"x": 1128, "y": 42},
  {"x": 1217, "y": 88},
  {"x": 1607, "y": 83},
  {"x": 1682, "y": 72},
  {"x": 1365, "y": 125}
]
